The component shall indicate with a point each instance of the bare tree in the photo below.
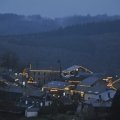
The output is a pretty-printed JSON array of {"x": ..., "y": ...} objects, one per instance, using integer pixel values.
[{"x": 9, "y": 60}]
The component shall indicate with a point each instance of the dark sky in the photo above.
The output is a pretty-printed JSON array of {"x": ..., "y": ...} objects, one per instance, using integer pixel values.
[{"x": 60, "y": 8}]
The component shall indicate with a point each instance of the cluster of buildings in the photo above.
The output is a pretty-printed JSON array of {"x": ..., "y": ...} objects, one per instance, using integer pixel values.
[
  {"x": 75, "y": 84},
  {"x": 80, "y": 80}
]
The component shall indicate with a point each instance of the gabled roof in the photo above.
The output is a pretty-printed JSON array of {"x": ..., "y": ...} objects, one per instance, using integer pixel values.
[
  {"x": 74, "y": 67},
  {"x": 74, "y": 70},
  {"x": 98, "y": 88}
]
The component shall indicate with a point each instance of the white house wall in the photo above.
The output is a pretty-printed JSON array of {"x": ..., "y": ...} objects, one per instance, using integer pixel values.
[{"x": 104, "y": 95}]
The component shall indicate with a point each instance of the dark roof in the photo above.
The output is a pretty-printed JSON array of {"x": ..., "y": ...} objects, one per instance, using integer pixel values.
[
  {"x": 89, "y": 81},
  {"x": 74, "y": 67},
  {"x": 83, "y": 74},
  {"x": 57, "y": 84},
  {"x": 15, "y": 88},
  {"x": 95, "y": 89}
]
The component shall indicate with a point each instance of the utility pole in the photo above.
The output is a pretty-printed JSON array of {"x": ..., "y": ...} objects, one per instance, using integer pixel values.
[
  {"x": 30, "y": 67},
  {"x": 60, "y": 69},
  {"x": 44, "y": 78}
]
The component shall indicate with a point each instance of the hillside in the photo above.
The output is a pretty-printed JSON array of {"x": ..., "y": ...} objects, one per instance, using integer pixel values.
[
  {"x": 19, "y": 24},
  {"x": 95, "y": 45}
]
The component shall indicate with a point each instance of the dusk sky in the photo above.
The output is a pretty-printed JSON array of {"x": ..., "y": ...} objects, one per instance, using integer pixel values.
[{"x": 60, "y": 8}]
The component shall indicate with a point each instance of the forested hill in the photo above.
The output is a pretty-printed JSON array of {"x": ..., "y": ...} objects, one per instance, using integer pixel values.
[
  {"x": 20, "y": 24},
  {"x": 95, "y": 45}
]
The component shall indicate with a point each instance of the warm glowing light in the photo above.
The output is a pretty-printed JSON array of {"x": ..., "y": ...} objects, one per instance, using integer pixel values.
[
  {"x": 53, "y": 90},
  {"x": 29, "y": 81},
  {"x": 66, "y": 88},
  {"x": 109, "y": 77},
  {"x": 82, "y": 94},
  {"x": 109, "y": 84}
]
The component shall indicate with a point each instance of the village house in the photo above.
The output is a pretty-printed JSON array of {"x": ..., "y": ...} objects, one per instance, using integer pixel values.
[
  {"x": 58, "y": 87},
  {"x": 90, "y": 87},
  {"x": 74, "y": 71},
  {"x": 75, "y": 74},
  {"x": 97, "y": 107},
  {"x": 43, "y": 76}
]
